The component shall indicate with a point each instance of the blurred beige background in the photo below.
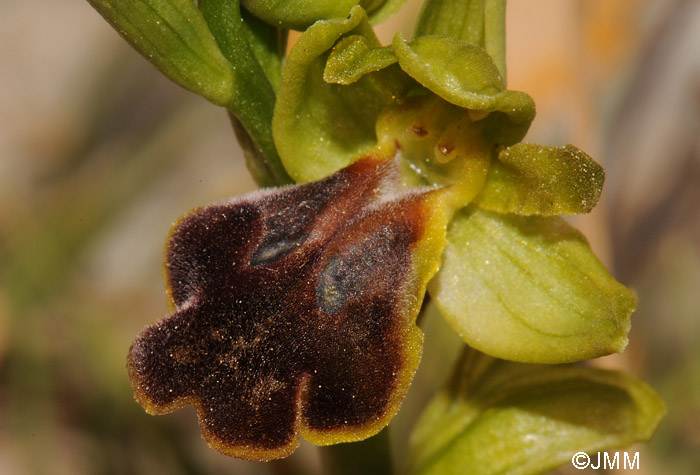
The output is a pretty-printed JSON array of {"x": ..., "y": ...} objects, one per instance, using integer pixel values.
[{"x": 99, "y": 154}]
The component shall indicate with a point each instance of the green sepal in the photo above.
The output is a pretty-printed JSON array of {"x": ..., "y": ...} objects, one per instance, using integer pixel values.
[
  {"x": 173, "y": 35},
  {"x": 531, "y": 179},
  {"x": 300, "y": 14},
  {"x": 320, "y": 127},
  {"x": 498, "y": 417},
  {"x": 529, "y": 289},
  {"x": 465, "y": 75},
  {"x": 480, "y": 22}
]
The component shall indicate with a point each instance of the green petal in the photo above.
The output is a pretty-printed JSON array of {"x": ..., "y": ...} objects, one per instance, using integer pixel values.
[
  {"x": 319, "y": 127},
  {"x": 464, "y": 74},
  {"x": 502, "y": 417},
  {"x": 352, "y": 58},
  {"x": 300, "y": 14},
  {"x": 530, "y": 179},
  {"x": 173, "y": 35},
  {"x": 529, "y": 289},
  {"x": 355, "y": 56}
]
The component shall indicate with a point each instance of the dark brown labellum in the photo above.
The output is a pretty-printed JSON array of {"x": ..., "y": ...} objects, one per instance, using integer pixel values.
[{"x": 291, "y": 313}]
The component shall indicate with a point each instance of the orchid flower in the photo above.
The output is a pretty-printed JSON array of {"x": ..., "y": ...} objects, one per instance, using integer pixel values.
[{"x": 294, "y": 308}]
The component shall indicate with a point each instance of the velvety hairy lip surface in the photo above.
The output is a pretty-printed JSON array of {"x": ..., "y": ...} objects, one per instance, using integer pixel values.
[{"x": 294, "y": 313}]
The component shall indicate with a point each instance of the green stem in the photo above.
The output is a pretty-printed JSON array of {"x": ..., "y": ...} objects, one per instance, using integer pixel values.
[
  {"x": 269, "y": 44},
  {"x": 254, "y": 101},
  {"x": 368, "y": 457}
]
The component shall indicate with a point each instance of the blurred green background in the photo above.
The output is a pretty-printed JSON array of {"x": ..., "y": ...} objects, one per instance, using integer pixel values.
[{"x": 99, "y": 154}]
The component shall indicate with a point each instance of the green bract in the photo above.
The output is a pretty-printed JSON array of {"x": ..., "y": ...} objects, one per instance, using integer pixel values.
[
  {"x": 529, "y": 289},
  {"x": 175, "y": 37},
  {"x": 210, "y": 51},
  {"x": 300, "y": 14},
  {"x": 501, "y": 417}
]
